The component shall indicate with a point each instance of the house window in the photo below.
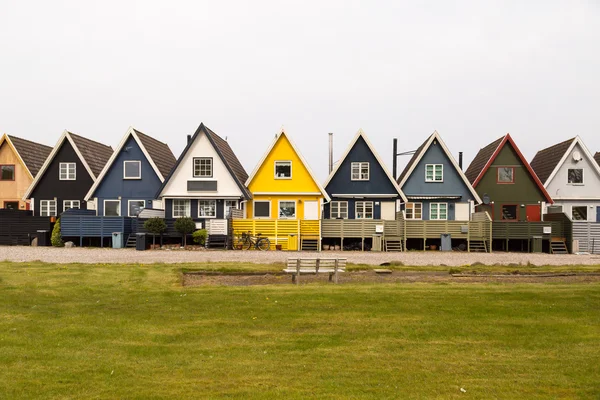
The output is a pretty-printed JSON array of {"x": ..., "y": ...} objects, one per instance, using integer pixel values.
[
  {"x": 338, "y": 209},
  {"x": 509, "y": 212},
  {"x": 360, "y": 171},
  {"x": 207, "y": 208},
  {"x": 438, "y": 211},
  {"x": 48, "y": 208},
  {"x": 203, "y": 167},
  {"x": 364, "y": 209},
  {"x": 135, "y": 207},
  {"x": 287, "y": 209},
  {"x": 67, "y": 171},
  {"x": 434, "y": 172},
  {"x": 283, "y": 170},
  {"x": 262, "y": 209},
  {"x": 132, "y": 170},
  {"x": 230, "y": 205},
  {"x": 112, "y": 208},
  {"x": 575, "y": 176},
  {"x": 506, "y": 175},
  {"x": 67, "y": 204},
  {"x": 414, "y": 210},
  {"x": 181, "y": 208},
  {"x": 579, "y": 213},
  {"x": 7, "y": 173}
]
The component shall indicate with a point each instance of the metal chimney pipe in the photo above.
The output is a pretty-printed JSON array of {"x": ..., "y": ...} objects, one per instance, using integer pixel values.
[
  {"x": 330, "y": 152},
  {"x": 460, "y": 160},
  {"x": 189, "y": 138},
  {"x": 394, "y": 159}
]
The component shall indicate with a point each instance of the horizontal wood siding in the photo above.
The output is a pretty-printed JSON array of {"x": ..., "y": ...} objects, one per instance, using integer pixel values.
[
  {"x": 74, "y": 225},
  {"x": 18, "y": 227},
  {"x": 278, "y": 231},
  {"x": 588, "y": 235}
]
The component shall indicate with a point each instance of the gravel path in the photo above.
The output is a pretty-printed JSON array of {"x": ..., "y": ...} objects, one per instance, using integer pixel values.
[{"x": 97, "y": 255}]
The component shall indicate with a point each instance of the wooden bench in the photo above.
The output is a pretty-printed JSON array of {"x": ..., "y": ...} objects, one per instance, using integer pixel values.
[{"x": 314, "y": 266}]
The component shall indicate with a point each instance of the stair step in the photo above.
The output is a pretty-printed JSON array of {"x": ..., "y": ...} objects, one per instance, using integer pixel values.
[{"x": 393, "y": 245}]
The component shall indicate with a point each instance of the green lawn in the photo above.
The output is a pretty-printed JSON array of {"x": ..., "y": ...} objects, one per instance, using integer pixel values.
[{"x": 132, "y": 332}]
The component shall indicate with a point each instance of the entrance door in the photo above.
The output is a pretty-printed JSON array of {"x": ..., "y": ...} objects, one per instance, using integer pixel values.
[
  {"x": 311, "y": 210},
  {"x": 11, "y": 205},
  {"x": 533, "y": 212},
  {"x": 388, "y": 210},
  {"x": 461, "y": 211}
]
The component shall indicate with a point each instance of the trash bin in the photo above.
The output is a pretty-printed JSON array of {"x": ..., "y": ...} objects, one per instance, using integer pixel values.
[
  {"x": 140, "y": 241},
  {"x": 43, "y": 238},
  {"x": 536, "y": 244},
  {"x": 292, "y": 243},
  {"x": 446, "y": 239},
  {"x": 117, "y": 240}
]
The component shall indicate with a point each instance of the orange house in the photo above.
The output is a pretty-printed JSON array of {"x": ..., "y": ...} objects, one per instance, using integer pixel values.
[{"x": 20, "y": 160}]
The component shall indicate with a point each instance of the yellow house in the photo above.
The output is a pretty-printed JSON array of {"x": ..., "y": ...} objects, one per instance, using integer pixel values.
[
  {"x": 282, "y": 185},
  {"x": 20, "y": 160}
]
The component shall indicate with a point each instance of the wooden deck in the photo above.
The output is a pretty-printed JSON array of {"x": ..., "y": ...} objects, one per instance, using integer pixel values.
[{"x": 287, "y": 233}]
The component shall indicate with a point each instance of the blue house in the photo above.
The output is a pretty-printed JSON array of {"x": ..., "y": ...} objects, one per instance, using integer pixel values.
[
  {"x": 132, "y": 176},
  {"x": 360, "y": 186},
  {"x": 435, "y": 185}
]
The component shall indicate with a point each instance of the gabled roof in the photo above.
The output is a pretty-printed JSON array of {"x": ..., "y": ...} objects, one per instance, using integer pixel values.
[
  {"x": 93, "y": 156},
  {"x": 550, "y": 160},
  {"x": 361, "y": 134},
  {"x": 235, "y": 168},
  {"x": 270, "y": 148},
  {"x": 158, "y": 154},
  {"x": 414, "y": 161},
  {"x": 486, "y": 156},
  {"x": 32, "y": 154},
  {"x": 597, "y": 157}
]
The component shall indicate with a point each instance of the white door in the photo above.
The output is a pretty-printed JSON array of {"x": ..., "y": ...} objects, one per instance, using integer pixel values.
[
  {"x": 461, "y": 212},
  {"x": 388, "y": 210},
  {"x": 311, "y": 210}
]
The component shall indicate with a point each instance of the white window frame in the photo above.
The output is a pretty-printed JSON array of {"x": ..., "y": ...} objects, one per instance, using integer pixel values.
[
  {"x": 118, "y": 208},
  {"x": 71, "y": 201},
  {"x": 282, "y": 162},
  {"x": 129, "y": 206},
  {"x": 339, "y": 215},
  {"x": 200, "y": 159},
  {"x": 364, "y": 203},
  {"x": 254, "y": 209},
  {"x": 49, "y": 204},
  {"x": 279, "y": 209},
  {"x": 187, "y": 211},
  {"x": 573, "y": 183},
  {"x": 67, "y": 166},
  {"x": 214, "y": 208},
  {"x": 139, "y": 163},
  {"x": 435, "y": 168},
  {"x": 438, "y": 212},
  {"x": 236, "y": 207},
  {"x": 359, "y": 165},
  {"x": 414, "y": 204}
]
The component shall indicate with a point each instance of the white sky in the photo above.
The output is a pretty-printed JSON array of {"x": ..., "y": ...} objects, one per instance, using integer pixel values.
[{"x": 473, "y": 70}]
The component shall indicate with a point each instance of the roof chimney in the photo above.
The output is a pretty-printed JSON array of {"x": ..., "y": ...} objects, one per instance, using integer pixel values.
[
  {"x": 189, "y": 138},
  {"x": 460, "y": 160},
  {"x": 330, "y": 152}
]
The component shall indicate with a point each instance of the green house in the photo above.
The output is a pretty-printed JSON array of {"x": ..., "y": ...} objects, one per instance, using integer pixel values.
[{"x": 508, "y": 186}]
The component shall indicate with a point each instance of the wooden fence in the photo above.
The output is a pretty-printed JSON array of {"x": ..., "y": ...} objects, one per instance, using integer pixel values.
[
  {"x": 19, "y": 227},
  {"x": 287, "y": 233}
]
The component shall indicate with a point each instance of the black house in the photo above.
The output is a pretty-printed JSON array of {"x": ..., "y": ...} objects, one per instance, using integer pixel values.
[{"x": 67, "y": 175}]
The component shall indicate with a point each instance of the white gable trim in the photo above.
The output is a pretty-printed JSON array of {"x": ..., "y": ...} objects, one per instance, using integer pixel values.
[
  {"x": 434, "y": 136},
  {"x": 270, "y": 148},
  {"x": 65, "y": 136},
  {"x": 589, "y": 156},
  {"x": 359, "y": 134},
  {"x": 6, "y": 138},
  {"x": 113, "y": 157}
]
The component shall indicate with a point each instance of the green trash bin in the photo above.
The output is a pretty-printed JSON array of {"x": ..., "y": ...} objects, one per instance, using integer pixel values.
[{"x": 536, "y": 244}]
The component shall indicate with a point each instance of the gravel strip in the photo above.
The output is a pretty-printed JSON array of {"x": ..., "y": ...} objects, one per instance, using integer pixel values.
[{"x": 416, "y": 258}]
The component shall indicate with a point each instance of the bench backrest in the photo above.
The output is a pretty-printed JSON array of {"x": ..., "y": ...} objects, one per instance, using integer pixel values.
[{"x": 314, "y": 262}]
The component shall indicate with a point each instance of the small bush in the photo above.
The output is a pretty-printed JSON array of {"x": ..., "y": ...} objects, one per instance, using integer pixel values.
[
  {"x": 56, "y": 238},
  {"x": 155, "y": 226},
  {"x": 185, "y": 226},
  {"x": 200, "y": 236}
]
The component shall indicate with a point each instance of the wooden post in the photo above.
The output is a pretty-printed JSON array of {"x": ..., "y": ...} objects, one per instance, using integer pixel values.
[
  {"x": 335, "y": 269},
  {"x": 318, "y": 262},
  {"x": 298, "y": 271}
]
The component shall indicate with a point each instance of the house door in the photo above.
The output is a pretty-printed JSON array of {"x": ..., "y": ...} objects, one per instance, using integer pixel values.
[
  {"x": 388, "y": 210},
  {"x": 11, "y": 205},
  {"x": 533, "y": 212},
  {"x": 311, "y": 210},
  {"x": 461, "y": 212}
]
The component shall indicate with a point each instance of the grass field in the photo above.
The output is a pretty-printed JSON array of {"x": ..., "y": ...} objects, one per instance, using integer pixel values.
[{"x": 133, "y": 332}]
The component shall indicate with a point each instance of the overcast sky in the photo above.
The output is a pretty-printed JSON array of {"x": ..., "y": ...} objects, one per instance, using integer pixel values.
[{"x": 472, "y": 70}]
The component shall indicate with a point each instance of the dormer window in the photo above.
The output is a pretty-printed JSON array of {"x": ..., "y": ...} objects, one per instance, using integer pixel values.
[
  {"x": 575, "y": 176},
  {"x": 360, "y": 171},
  {"x": 434, "y": 172},
  {"x": 283, "y": 170},
  {"x": 203, "y": 167},
  {"x": 506, "y": 175},
  {"x": 67, "y": 171},
  {"x": 132, "y": 170}
]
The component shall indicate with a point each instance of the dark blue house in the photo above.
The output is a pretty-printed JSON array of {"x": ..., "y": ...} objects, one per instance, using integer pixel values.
[
  {"x": 435, "y": 185},
  {"x": 360, "y": 186},
  {"x": 131, "y": 177}
]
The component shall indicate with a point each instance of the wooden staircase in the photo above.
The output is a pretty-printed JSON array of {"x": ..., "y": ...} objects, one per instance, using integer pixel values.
[
  {"x": 309, "y": 244},
  {"x": 217, "y": 241},
  {"x": 478, "y": 246},
  {"x": 393, "y": 245},
  {"x": 131, "y": 240},
  {"x": 558, "y": 246}
]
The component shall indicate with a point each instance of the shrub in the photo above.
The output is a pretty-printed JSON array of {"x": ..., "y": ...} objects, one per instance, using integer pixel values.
[
  {"x": 185, "y": 226},
  {"x": 155, "y": 226},
  {"x": 199, "y": 236},
  {"x": 56, "y": 238}
]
